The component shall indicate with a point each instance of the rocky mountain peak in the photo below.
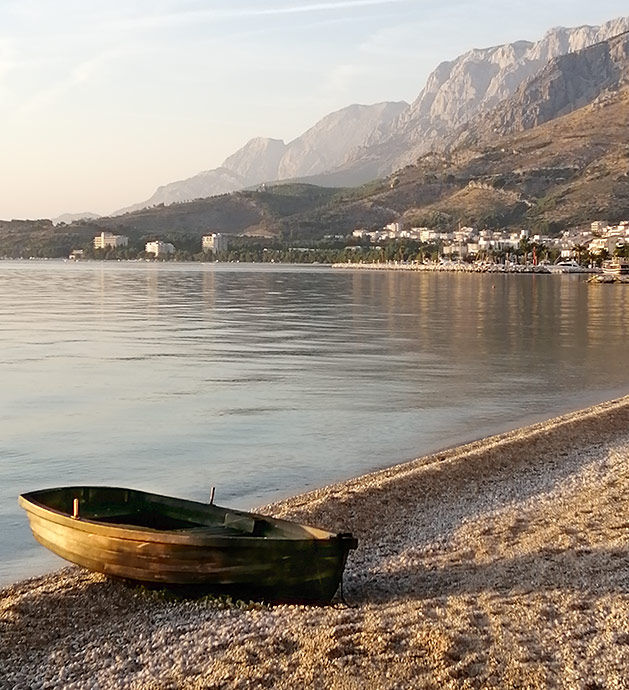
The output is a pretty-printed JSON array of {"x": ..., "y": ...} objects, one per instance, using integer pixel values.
[
  {"x": 257, "y": 160},
  {"x": 563, "y": 85}
]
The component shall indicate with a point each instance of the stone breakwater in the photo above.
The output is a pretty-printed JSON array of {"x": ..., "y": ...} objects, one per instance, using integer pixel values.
[
  {"x": 609, "y": 279},
  {"x": 502, "y": 563},
  {"x": 447, "y": 267}
]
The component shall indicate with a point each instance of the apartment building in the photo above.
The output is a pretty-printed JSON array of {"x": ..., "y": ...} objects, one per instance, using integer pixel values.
[
  {"x": 214, "y": 242},
  {"x": 159, "y": 248},
  {"x": 108, "y": 239}
]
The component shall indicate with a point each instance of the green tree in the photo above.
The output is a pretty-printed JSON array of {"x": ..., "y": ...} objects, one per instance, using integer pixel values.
[{"x": 581, "y": 250}]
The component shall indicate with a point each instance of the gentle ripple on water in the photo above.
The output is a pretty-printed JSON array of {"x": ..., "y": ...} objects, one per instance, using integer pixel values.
[{"x": 266, "y": 381}]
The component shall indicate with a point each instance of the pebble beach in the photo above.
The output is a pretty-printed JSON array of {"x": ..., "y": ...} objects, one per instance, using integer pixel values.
[{"x": 502, "y": 563}]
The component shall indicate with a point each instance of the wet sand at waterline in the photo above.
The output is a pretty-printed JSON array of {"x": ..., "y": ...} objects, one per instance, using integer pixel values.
[{"x": 503, "y": 563}]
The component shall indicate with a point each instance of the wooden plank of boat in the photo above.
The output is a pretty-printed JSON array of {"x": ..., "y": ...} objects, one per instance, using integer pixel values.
[{"x": 152, "y": 538}]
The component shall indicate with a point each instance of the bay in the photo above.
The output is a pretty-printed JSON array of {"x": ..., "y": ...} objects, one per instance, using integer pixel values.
[{"x": 265, "y": 381}]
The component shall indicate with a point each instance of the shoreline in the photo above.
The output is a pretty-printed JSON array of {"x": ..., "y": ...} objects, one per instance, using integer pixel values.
[
  {"x": 500, "y": 562},
  {"x": 463, "y": 267}
]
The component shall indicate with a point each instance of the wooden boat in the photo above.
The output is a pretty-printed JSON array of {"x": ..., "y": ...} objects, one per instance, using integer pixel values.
[{"x": 158, "y": 539}]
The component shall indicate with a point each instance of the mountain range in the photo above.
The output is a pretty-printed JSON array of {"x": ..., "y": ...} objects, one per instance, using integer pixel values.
[
  {"x": 552, "y": 155},
  {"x": 322, "y": 147},
  {"x": 360, "y": 143}
]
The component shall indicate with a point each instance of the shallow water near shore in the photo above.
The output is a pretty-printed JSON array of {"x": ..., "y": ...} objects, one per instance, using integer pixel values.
[{"x": 270, "y": 380}]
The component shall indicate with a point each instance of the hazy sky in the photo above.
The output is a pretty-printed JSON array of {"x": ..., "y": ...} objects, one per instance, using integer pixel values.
[{"x": 101, "y": 101}]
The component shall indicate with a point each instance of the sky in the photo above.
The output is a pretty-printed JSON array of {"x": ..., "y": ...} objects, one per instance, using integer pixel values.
[{"x": 102, "y": 101}]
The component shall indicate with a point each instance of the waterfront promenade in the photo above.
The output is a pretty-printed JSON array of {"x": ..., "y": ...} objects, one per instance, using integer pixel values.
[{"x": 447, "y": 267}]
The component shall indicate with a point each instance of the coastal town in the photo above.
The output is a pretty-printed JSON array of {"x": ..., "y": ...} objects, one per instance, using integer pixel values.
[
  {"x": 601, "y": 247},
  {"x": 601, "y": 239}
]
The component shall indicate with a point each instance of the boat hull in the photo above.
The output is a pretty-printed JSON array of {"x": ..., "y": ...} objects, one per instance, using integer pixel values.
[
  {"x": 289, "y": 563},
  {"x": 616, "y": 267}
]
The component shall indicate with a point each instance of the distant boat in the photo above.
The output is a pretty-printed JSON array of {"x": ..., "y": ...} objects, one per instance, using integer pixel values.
[
  {"x": 567, "y": 266},
  {"x": 158, "y": 539},
  {"x": 616, "y": 266}
]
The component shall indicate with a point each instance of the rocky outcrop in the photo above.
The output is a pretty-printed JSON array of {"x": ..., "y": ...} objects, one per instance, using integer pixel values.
[
  {"x": 473, "y": 84},
  {"x": 256, "y": 161},
  {"x": 565, "y": 84}
]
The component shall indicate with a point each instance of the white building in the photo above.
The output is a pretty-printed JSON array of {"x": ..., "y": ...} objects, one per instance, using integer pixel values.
[
  {"x": 159, "y": 248},
  {"x": 426, "y": 234},
  {"x": 394, "y": 228},
  {"x": 599, "y": 225},
  {"x": 599, "y": 244},
  {"x": 214, "y": 242},
  {"x": 108, "y": 239}
]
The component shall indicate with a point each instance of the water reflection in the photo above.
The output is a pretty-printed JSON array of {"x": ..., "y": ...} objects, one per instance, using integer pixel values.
[{"x": 266, "y": 381}]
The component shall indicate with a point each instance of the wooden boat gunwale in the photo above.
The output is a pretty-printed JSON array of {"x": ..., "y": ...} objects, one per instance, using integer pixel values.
[{"x": 190, "y": 535}]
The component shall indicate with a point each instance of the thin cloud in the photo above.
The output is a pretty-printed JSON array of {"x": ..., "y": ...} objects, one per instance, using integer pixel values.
[
  {"x": 321, "y": 7},
  {"x": 79, "y": 74},
  {"x": 167, "y": 19}
]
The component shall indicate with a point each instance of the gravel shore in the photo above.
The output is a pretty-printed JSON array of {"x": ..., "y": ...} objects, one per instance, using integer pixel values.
[{"x": 503, "y": 563}]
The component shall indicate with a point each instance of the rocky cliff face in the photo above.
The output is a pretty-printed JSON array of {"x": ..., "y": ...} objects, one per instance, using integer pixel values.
[
  {"x": 360, "y": 143},
  {"x": 257, "y": 161},
  {"x": 324, "y": 146},
  {"x": 474, "y": 83},
  {"x": 563, "y": 85},
  {"x": 328, "y": 143}
]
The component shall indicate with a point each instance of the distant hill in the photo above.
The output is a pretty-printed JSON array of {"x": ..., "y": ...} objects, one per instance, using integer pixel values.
[
  {"x": 71, "y": 217},
  {"x": 244, "y": 212},
  {"x": 259, "y": 213}
]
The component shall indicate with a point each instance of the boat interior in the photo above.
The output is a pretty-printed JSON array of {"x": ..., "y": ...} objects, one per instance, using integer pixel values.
[{"x": 139, "y": 509}]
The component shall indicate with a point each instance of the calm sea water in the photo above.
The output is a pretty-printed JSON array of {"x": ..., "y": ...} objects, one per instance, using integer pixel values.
[{"x": 265, "y": 381}]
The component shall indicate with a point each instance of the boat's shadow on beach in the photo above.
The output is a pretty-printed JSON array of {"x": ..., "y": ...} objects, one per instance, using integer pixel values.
[
  {"x": 576, "y": 571},
  {"x": 487, "y": 516}
]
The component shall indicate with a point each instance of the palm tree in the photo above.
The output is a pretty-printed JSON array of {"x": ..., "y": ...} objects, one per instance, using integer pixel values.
[
  {"x": 580, "y": 250},
  {"x": 525, "y": 248},
  {"x": 600, "y": 256}
]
